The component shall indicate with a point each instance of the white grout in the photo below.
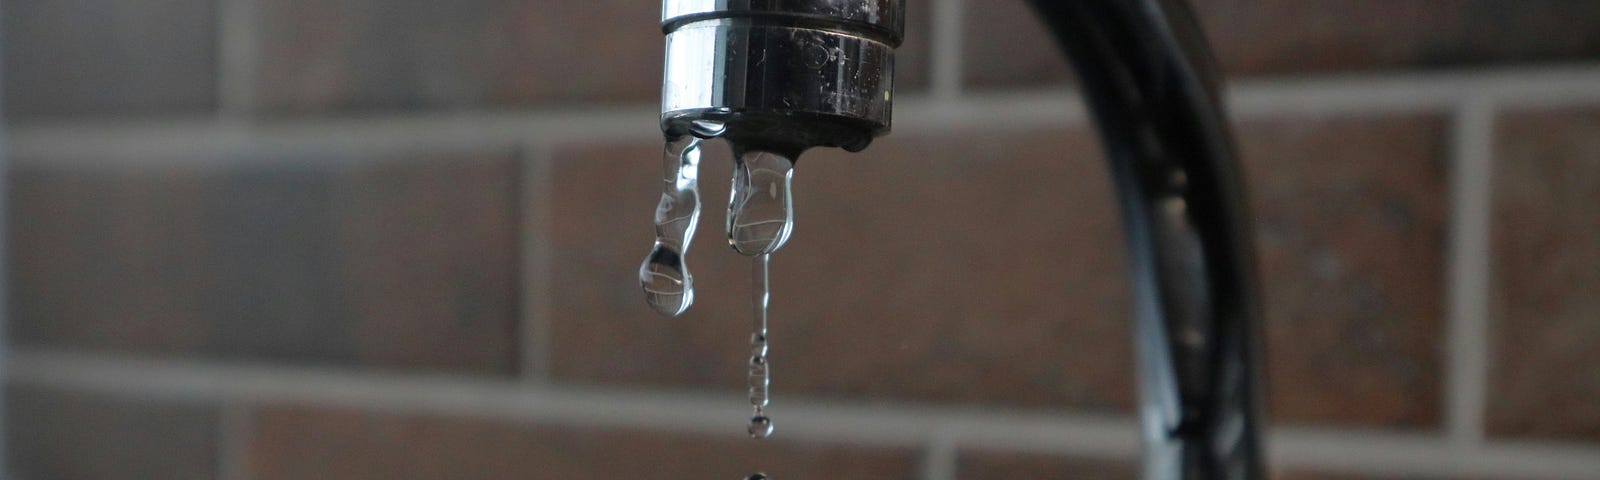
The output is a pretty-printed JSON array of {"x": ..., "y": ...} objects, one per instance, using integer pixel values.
[
  {"x": 1390, "y": 454},
  {"x": 234, "y": 432},
  {"x": 211, "y": 140},
  {"x": 939, "y": 458},
  {"x": 534, "y": 247},
  {"x": 237, "y": 58},
  {"x": 1416, "y": 90},
  {"x": 5, "y": 264},
  {"x": 207, "y": 141},
  {"x": 862, "y": 423},
  {"x": 948, "y": 35},
  {"x": 1467, "y": 330}
]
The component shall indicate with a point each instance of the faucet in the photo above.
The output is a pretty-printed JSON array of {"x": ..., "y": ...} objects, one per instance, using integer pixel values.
[{"x": 777, "y": 77}]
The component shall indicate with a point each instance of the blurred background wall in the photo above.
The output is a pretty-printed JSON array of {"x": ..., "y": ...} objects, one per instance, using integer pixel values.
[{"x": 397, "y": 239}]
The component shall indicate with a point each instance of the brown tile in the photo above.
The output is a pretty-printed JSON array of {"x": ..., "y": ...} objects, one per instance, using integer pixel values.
[
  {"x": 982, "y": 268},
  {"x": 87, "y": 57},
  {"x": 399, "y": 262},
  {"x": 303, "y": 442},
  {"x": 1545, "y": 287},
  {"x": 52, "y": 433},
  {"x": 381, "y": 55},
  {"x": 983, "y": 465},
  {"x": 1253, "y": 37},
  {"x": 1004, "y": 43},
  {"x": 1350, "y": 221}
]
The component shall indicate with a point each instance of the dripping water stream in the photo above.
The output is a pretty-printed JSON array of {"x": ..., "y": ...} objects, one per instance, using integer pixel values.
[{"x": 759, "y": 221}]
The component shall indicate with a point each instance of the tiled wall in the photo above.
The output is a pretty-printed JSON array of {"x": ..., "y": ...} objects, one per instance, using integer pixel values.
[{"x": 289, "y": 239}]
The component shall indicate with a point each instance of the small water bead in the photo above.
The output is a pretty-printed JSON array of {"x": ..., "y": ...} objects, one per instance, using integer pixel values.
[
  {"x": 756, "y": 476},
  {"x": 760, "y": 426},
  {"x": 664, "y": 275},
  {"x": 761, "y": 207}
]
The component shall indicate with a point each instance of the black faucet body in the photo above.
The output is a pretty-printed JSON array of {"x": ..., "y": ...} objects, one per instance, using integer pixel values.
[{"x": 787, "y": 75}]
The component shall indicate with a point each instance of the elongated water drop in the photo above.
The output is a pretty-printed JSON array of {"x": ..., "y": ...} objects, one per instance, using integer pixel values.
[
  {"x": 668, "y": 286},
  {"x": 761, "y": 208}
]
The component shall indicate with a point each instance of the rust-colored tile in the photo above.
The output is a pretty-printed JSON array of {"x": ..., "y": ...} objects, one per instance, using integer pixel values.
[
  {"x": 303, "y": 442},
  {"x": 1545, "y": 286},
  {"x": 1350, "y": 221},
  {"x": 365, "y": 55},
  {"x": 68, "y": 58},
  {"x": 1004, "y": 43},
  {"x": 1254, "y": 37},
  {"x": 989, "y": 465},
  {"x": 401, "y": 262},
  {"x": 977, "y": 268},
  {"x": 54, "y": 433},
  {"x": 322, "y": 56}
]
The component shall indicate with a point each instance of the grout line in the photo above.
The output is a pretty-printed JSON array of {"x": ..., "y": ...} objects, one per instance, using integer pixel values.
[
  {"x": 940, "y": 458},
  {"x": 237, "y": 58},
  {"x": 234, "y": 441},
  {"x": 862, "y": 423},
  {"x": 1428, "y": 455},
  {"x": 945, "y": 63},
  {"x": 6, "y": 290},
  {"x": 1414, "y": 90},
  {"x": 534, "y": 245},
  {"x": 210, "y": 140},
  {"x": 493, "y": 397},
  {"x": 1469, "y": 251}
]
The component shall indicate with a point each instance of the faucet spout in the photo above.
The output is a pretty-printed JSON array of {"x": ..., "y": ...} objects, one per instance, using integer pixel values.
[{"x": 782, "y": 76}]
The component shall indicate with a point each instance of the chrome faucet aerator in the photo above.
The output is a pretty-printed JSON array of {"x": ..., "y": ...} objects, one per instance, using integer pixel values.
[{"x": 782, "y": 75}]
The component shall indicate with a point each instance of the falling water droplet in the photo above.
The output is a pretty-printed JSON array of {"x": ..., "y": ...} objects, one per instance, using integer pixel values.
[
  {"x": 760, "y": 426},
  {"x": 761, "y": 208},
  {"x": 668, "y": 286}
]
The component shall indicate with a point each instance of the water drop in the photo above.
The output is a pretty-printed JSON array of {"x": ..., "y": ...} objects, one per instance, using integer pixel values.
[
  {"x": 668, "y": 286},
  {"x": 761, "y": 208},
  {"x": 760, "y": 426},
  {"x": 756, "y": 476}
]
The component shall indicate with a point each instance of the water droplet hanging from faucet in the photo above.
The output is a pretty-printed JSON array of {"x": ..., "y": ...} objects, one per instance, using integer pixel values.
[
  {"x": 760, "y": 220},
  {"x": 668, "y": 286},
  {"x": 761, "y": 207}
]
